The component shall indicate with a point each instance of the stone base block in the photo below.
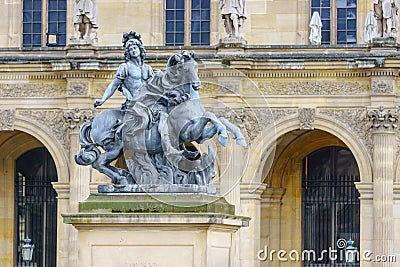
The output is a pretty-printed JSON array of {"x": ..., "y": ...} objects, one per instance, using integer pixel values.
[{"x": 113, "y": 238}]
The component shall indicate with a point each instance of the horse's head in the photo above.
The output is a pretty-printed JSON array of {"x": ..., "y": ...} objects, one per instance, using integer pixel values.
[{"x": 184, "y": 68}]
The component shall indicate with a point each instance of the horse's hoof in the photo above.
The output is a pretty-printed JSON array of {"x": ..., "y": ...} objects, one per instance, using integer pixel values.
[
  {"x": 223, "y": 139},
  {"x": 241, "y": 142}
]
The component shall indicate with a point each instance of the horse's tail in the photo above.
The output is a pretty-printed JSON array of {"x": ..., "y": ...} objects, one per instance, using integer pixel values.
[{"x": 89, "y": 151}]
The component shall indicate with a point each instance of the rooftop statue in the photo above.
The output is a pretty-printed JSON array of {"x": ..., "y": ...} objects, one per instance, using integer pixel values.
[
  {"x": 386, "y": 14},
  {"x": 233, "y": 14},
  {"x": 155, "y": 128},
  {"x": 85, "y": 20}
]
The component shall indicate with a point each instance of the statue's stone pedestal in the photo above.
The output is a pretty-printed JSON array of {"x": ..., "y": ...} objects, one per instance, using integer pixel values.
[
  {"x": 232, "y": 44},
  {"x": 384, "y": 46},
  {"x": 156, "y": 230},
  {"x": 80, "y": 48}
]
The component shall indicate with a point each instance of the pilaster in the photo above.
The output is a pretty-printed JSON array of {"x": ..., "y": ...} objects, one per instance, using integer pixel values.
[{"x": 384, "y": 125}]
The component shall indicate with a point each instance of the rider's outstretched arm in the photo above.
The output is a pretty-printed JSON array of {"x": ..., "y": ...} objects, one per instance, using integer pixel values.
[{"x": 112, "y": 87}]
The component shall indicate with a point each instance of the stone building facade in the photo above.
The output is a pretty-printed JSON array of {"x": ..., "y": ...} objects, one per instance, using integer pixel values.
[{"x": 289, "y": 98}]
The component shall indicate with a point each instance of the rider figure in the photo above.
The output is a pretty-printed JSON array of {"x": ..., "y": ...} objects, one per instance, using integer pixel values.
[{"x": 132, "y": 73}]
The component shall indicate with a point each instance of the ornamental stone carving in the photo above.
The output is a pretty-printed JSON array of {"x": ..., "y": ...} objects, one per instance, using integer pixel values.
[
  {"x": 32, "y": 90},
  {"x": 306, "y": 118},
  {"x": 382, "y": 87},
  {"x": 7, "y": 119},
  {"x": 354, "y": 119},
  {"x": 51, "y": 121},
  {"x": 75, "y": 117},
  {"x": 383, "y": 119},
  {"x": 333, "y": 87},
  {"x": 78, "y": 88},
  {"x": 228, "y": 87}
]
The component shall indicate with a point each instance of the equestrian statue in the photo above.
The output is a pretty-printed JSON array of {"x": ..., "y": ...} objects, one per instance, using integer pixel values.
[{"x": 156, "y": 129}]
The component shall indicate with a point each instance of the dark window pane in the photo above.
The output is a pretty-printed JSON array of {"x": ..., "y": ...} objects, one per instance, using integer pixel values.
[
  {"x": 351, "y": 24},
  {"x": 325, "y": 3},
  {"x": 170, "y": 4},
  {"x": 205, "y": 4},
  {"x": 326, "y": 25},
  {"x": 341, "y": 25},
  {"x": 341, "y": 13},
  {"x": 196, "y": 26},
  {"x": 27, "y": 28},
  {"x": 62, "y": 4},
  {"x": 37, "y": 27},
  {"x": 52, "y": 27},
  {"x": 205, "y": 26},
  {"x": 27, "y": 5},
  {"x": 195, "y": 15},
  {"x": 180, "y": 4},
  {"x": 205, "y": 15},
  {"x": 62, "y": 16},
  {"x": 61, "y": 39},
  {"x": 37, "y": 16},
  {"x": 62, "y": 28},
  {"x": 37, "y": 4},
  {"x": 53, "y": 5},
  {"x": 316, "y": 10},
  {"x": 341, "y": 36},
  {"x": 37, "y": 39},
  {"x": 180, "y": 15},
  {"x": 195, "y": 38},
  {"x": 326, "y": 36},
  {"x": 170, "y": 26},
  {"x": 170, "y": 15},
  {"x": 325, "y": 13},
  {"x": 315, "y": 3},
  {"x": 52, "y": 15},
  {"x": 180, "y": 26},
  {"x": 169, "y": 38},
  {"x": 180, "y": 37},
  {"x": 26, "y": 39},
  {"x": 205, "y": 38},
  {"x": 195, "y": 4},
  {"x": 27, "y": 17}
]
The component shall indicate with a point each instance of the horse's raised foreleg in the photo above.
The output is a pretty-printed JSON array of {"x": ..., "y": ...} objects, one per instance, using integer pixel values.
[
  {"x": 236, "y": 133},
  {"x": 221, "y": 129},
  {"x": 208, "y": 132}
]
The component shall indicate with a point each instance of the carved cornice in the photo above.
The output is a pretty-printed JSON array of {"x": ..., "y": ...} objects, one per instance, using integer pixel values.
[
  {"x": 306, "y": 118},
  {"x": 333, "y": 87},
  {"x": 32, "y": 90},
  {"x": 52, "y": 121},
  {"x": 75, "y": 117},
  {"x": 383, "y": 119},
  {"x": 354, "y": 119},
  {"x": 7, "y": 117}
]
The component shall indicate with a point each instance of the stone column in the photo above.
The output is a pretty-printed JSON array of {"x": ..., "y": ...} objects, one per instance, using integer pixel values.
[
  {"x": 250, "y": 200},
  {"x": 384, "y": 124},
  {"x": 271, "y": 201}
]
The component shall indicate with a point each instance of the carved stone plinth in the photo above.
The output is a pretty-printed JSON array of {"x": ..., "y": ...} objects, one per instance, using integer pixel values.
[
  {"x": 168, "y": 230},
  {"x": 232, "y": 42}
]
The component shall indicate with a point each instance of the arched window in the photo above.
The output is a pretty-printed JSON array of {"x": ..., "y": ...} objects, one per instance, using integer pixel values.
[
  {"x": 330, "y": 204},
  {"x": 187, "y": 22},
  {"x": 44, "y": 23},
  {"x": 339, "y": 20},
  {"x": 36, "y": 206}
]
